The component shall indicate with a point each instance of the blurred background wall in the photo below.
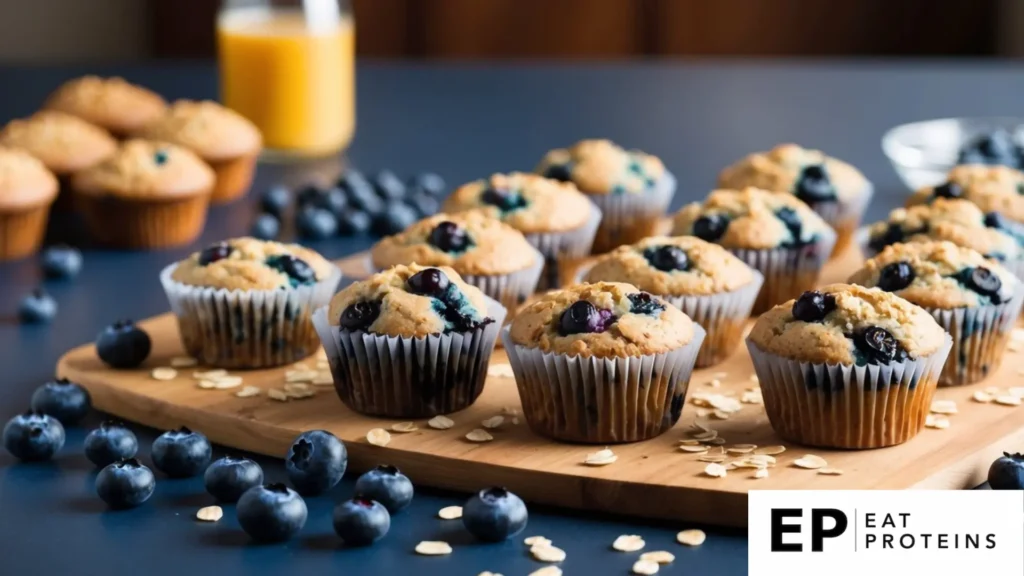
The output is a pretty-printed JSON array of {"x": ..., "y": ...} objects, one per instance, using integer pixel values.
[{"x": 34, "y": 31}]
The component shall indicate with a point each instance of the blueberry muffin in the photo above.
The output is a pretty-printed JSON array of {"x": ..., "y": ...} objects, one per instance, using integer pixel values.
[
  {"x": 409, "y": 342},
  {"x": 837, "y": 191},
  {"x": 602, "y": 363},
  {"x": 631, "y": 188},
  {"x": 707, "y": 282},
  {"x": 776, "y": 234},
  {"x": 846, "y": 366},
  {"x": 246, "y": 303},
  {"x": 973, "y": 298},
  {"x": 113, "y": 104},
  {"x": 27, "y": 189},
  {"x": 555, "y": 217},
  {"x": 992, "y": 188},
  {"x": 486, "y": 252},
  {"x": 224, "y": 139}
]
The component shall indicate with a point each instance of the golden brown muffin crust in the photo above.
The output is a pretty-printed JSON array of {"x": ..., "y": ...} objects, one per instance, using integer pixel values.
[
  {"x": 779, "y": 169},
  {"x": 991, "y": 188},
  {"x": 246, "y": 267},
  {"x": 210, "y": 130},
  {"x": 147, "y": 169},
  {"x": 552, "y": 206},
  {"x": 603, "y": 167},
  {"x": 64, "y": 143},
  {"x": 111, "y": 103},
  {"x": 955, "y": 220},
  {"x": 24, "y": 181}
]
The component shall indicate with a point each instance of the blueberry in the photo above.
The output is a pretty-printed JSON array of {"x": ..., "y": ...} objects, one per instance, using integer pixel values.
[
  {"x": 61, "y": 262},
  {"x": 997, "y": 221},
  {"x": 214, "y": 252},
  {"x": 791, "y": 220},
  {"x": 266, "y": 227},
  {"x": 33, "y": 436},
  {"x": 388, "y": 185},
  {"x": 227, "y": 478},
  {"x": 125, "y": 483},
  {"x": 361, "y": 521},
  {"x": 366, "y": 200},
  {"x": 299, "y": 273},
  {"x": 307, "y": 195},
  {"x": 314, "y": 223},
  {"x": 353, "y": 221},
  {"x": 813, "y": 306},
  {"x": 123, "y": 345},
  {"x": 644, "y": 303},
  {"x": 506, "y": 200},
  {"x": 37, "y": 308},
  {"x": 354, "y": 181},
  {"x": 449, "y": 237},
  {"x": 814, "y": 185},
  {"x": 181, "y": 453},
  {"x": 271, "y": 512},
  {"x": 397, "y": 216},
  {"x": 996, "y": 147},
  {"x": 332, "y": 200},
  {"x": 276, "y": 200},
  {"x": 424, "y": 204},
  {"x": 560, "y": 172},
  {"x": 948, "y": 190},
  {"x": 893, "y": 233},
  {"x": 494, "y": 514},
  {"x": 360, "y": 315},
  {"x": 896, "y": 276},
  {"x": 982, "y": 281},
  {"x": 430, "y": 183},
  {"x": 387, "y": 485},
  {"x": 582, "y": 317},
  {"x": 667, "y": 258},
  {"x": 879, "y": 345},
  {"x": 64, "y": 400},
  {"x": 111, "y": 442},
  {"x": 316, "y": 462},
  {"x": 429, "y": 282},
  {"x": 710, "y": 227},
  {"x": 1007, "y": 472}
]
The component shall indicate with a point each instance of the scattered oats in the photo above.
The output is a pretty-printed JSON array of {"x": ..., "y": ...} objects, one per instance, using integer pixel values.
[
  {"x": 378, "y": 437},
  {"x": 537, "y": 541},
  {"x": 994, "y": 390},
  {"x": 693, "y": 449},
  {"x": 479, "y": 435},
  {"x": 645, "y": 567},
  {"x": 715, "y": 383},
  {"x": 300, "y": 366},
  {"x": 810, "y": 462},
  {"x": 724, "y": 403},
  {"x": 761, "y": 473},
  {"x": 753, "y": 378},
  {"x": 547, "y": 553},
  {"x": 720, "y": 415},
  {"x": 493, "y": 422},
  {"x": 1007, "y": 400},
  {"x": 210, "y": 514},
  {"x": 689, "y": 442},
  {"x": 277, "y": 394},
  {"x": 227, "y": 382},
  {"x": 1017, "y": 334},
  {"x": 830, "y": 472},
  {"x": 183, "y": 362},
  {"x": 741, "y": 448},
  {"x": 703, "y": 412},
  {"x": 500, "y": 371},
  {"x": 207, "y": 384},
  {"x": 450, "y": 513},
  {"x": 937, "y": 422},
  {"x": 440, "y": 422},
  {"x": 433, "y": 548},
  {"x": 249, "y": 392},
  {"x": 765, "y": 459},
  {"x": 691, "y": 537},
  {"x": 708, "y": 435},
  {"x": 323, "y": 380},
  {"x": 628, "y": 543},
  {"x": 300, "y": 394},
  {"x": 600, "y": 458},
  {"x": 1016, "y": 391},
  {"x": 510, "y": 411},
  {"x": 715, "y": 470},
  {"x": 323, "y": 365},
  {"x": 720, "y": 375},
  {"x": 748, "y": 463},
  {"x": 547, "y": 571},
  {"x": 488, "y": 573},
  {"x": 515, "y": 420},
  {"x": 752, "y": 397},
  {"x": 698, "y": 427},
  {"x": 659, "y": 556},
  {"x": 402, "y": 427},
  {"x": 943, "y": 407},
  {"x": 715, "y": 441},
  {"x": 982, "y": 396},
  {"x": 296, "y": 386},
  {"x": 770, "y": 450},
  {"x": 1014, "y": 346},
  {"x": 210, "y": 374},
  {"x": 712, "y": 458},
  {"x": 164, "y": 374},
  {"x": 300, "y": 375}
]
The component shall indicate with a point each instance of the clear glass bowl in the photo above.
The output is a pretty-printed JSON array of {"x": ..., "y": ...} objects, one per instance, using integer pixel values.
[{"x": 923, "y": 152}]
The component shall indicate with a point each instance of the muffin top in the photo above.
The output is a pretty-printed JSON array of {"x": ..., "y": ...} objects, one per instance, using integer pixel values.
[
  {"x": 527, "y": 202},
  {"x": 673, "y": 266},
  {"x": 809, "y": 174},
  {"x": 410, "y": 302},
  {"x": 751, "y": 218},
  {"x": 64, "y": 143},
  {"x": 991, "y": 188},
  {"x": 848, "y": 324},
  {"x": 958, "y": 221},
  {"x": 469, "y": 242},
  {"x": 602, "y": 167},
  {"x": 112, "y": 103},
  {"x": 606, "y": 319},
  {"x": 938, "y": 275},
  {"x": 251, "y": 264},
  {"x": 24, "y": 180},
  {"x": 210, "y": 130},
  {"x": 147, "y": 169}
]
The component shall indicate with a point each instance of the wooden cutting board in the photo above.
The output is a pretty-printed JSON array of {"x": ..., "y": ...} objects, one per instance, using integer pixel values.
[{"x": 652, "y": 478}]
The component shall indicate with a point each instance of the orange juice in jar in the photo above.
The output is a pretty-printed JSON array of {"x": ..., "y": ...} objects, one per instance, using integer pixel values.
[{"x": 289, "y": 66}]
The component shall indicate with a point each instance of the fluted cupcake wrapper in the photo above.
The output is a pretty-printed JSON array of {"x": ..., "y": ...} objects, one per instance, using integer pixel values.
[
  {"x": 561, "y": 247},
  {"x": 788, "y": 272},
  {"x": 844, "y": 217},
  {"x": 626, "y": 218},
  {"x": 22, "y": 231},
  {"x": 839, "y": 406},
  {"x": 602, "y": 400},
  {"x": 143, "y": 224},
  {"x": 248, "y": 328},
  {"x": 395, "y": 377}
]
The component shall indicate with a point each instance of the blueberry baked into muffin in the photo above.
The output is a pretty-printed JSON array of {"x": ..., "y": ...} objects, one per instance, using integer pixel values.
[
  {"x": 485, "y": 251},
  {"x": 409, "y": 342},
  {"x": 247, "y": 303},
  {"x": 602, "y": 363},
  {"x": 991, "y": 188},
  {"x": 707, "y": 282},
  {"x": 631, "y": 188},
  {"x": 837, "y": 191},
  {"x": 845, "y": 366},
  {"x": 27, "y": 189},
  {"x": 976, "y": 300},
  {"x": 776, "y": 234},
  {"x": 555, "y": 217}
]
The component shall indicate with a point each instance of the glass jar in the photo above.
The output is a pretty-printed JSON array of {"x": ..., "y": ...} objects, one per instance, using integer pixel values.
[{"x": 289, "y": 66}]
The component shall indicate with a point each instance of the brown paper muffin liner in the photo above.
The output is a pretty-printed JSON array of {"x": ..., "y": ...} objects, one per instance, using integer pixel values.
[
  {"x": 247, "y": 328},
  {"x": 854, "y": 407},
  {"x": 22, "y": 231},
  {"x": 396, "y": 377},
  {"x": 788, "y": 272},
  {"x": 628, "y": 218},
  {"x": 563, "y": 248},
  {"x": 602, "y": 400},
  {"x": 844, "y": 217},
  {"x": 234, "y": 178},
  {"x": 143, "y": 224}
]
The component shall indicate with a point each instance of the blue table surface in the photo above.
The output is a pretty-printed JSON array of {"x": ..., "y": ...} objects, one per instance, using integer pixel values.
[{"x": 463, "y": 121}]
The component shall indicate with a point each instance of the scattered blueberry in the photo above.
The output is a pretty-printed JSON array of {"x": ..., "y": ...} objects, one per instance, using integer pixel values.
[
  {"x": 505, "y": 199},
  {"x": 366, "y": 200},
  {"x": 582, "y": 317},
  {"x": 397, "y": 216},
  {"x": 315, "y": 223},
  {"x": 449, "y": 237},
  {"x": 996, "y": 147},
  {"x": 352, "y": 222},
  {"x": 814, "y": 185},
  {"x": 879, "y": 345},
  {"x": 360, "y": 315},
  {"x": 948, "y": 190},
  {"x": 430, "y": 282},
  {"x": 361, "y": 521},
  {"x": 123, "y": 345},
  {"x": 333, "y": 200},
  {"x": 667, "y": 258},
  {"x": 430, "y": 183},
  {"x": 710, "y": 227},
  {"x": 644, "y": 303},
  {"x": 214, "y": 252},
  {"x": 33, "y": 436},
  {"x": 37, "y": 308},
  {"x": 181, "y": 453},
  {"x": 387, "y": 485},
  {"x": 1007, "y": 472},
  {"x": 560, "y": 172},
  {"x": 125, "y": 483},
  {"x": 388, "y": 185},
  {"x": 64, "y": 400},
  {"x": 316, "y": 462},
  {"x": 494, "y": 514},
  {"x": 276, "y": 200},
  {"x": 983, "y": 281},
  {"x": 111, "y": 442},
  {"x": 266, "y": 227},
  {"x": 307, "y": 195},
  {"x": 227, "y": 478},
  {"x": 354, "y": 181},
  {"x": 62, "y": 262},
  {"x": 813, "y": 306},
  {"x": 271, "y": 512},
  {"x": 424, "y": 204},
  {"x": 298, "y": 271},
  {"x": 893, "y": 233},
  {"x": 896, "y": 276}
]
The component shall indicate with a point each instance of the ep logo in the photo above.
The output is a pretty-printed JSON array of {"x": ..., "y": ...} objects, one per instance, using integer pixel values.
[{"x": 787, "y": 528}]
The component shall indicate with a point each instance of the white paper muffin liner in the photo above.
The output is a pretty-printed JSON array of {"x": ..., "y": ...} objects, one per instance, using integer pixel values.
[
  {"x": 247, "y": 328},
  {"x": 395, "y": 377},
  {"x": 844, "y": 217},
  {"x": 788, "y": 272},
  {"x": 602, "y": 400},
  {"x": 854, "y": 407},
  {"x": 559, "y": 247},
  {"x": 626, "y": 218}
]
